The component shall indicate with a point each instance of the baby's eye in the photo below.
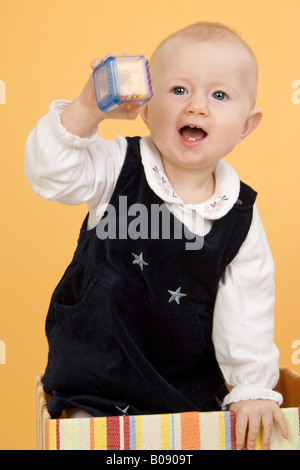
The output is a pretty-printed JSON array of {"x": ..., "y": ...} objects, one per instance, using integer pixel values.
[
  {"x": 179, "y": 90},
  {"x": 220, "y": 95}
]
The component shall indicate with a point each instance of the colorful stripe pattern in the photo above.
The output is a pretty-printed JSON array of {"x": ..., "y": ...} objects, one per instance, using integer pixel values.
[{"x": 181, "y": 431}]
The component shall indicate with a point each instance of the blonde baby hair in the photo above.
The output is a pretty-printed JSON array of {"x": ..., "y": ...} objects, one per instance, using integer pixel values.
[{"x": 211, "y": 32}]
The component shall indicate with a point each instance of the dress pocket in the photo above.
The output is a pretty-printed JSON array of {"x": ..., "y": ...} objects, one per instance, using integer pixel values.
[
  {"x": 73, "y": 298},
  {"x": 81, "y": 300}
]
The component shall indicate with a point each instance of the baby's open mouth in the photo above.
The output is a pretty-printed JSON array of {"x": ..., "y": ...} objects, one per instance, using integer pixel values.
[{"x": 192, "y": 133}]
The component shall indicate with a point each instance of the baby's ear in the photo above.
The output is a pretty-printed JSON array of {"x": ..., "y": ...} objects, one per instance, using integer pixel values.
[
  {"x": 252, "y": 122},
  {"x": 144, "y": 112}
]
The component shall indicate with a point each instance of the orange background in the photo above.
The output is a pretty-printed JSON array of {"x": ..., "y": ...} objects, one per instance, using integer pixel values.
[{"x": 46, "y": 49}]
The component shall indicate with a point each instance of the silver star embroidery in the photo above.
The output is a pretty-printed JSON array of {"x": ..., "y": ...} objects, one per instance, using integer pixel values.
[
  {"x": 176, "y": 295},
  {"x": 139, "y": 260},
  {"x": 125, "y": 411}
]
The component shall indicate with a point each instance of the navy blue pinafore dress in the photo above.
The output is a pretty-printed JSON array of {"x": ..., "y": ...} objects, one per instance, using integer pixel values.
[{"x": 129, "y": 325}]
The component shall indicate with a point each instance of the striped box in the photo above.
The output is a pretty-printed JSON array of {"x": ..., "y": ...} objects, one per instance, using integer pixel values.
[{"x": 180, "y": 431}]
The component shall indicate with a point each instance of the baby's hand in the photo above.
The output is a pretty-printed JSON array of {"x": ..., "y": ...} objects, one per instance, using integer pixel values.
[
  {"x": 250, "y": 414},
  {"x": 82, "y": 115}
]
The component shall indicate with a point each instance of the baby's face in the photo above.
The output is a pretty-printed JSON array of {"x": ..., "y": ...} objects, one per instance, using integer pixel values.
[{"x": 202, "y": 99}]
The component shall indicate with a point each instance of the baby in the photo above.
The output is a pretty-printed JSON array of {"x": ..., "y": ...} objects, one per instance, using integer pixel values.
[{"x": 155, "y": 325}]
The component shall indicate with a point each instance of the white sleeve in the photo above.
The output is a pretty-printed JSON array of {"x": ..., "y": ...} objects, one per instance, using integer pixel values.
[
  {"x": 243, "y": 321},
  {"x": 69, "y": 169}
]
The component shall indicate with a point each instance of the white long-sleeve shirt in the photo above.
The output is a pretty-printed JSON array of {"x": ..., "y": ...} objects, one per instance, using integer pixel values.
[{"x": 73, "y": 170}]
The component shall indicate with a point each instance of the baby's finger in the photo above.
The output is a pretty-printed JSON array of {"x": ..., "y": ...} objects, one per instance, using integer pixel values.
[
  {"x": 98, "y": 61},
  {"x": 95, "y": 63},
  {"x": 280, "y": 420},
  {"x": 267, "y": 424},
  {"x": 241, "y": 430},
  {"x": 129, "y": 110},
  {"x": 110, "y": 54},
  {"x": 253, "y": 430}
]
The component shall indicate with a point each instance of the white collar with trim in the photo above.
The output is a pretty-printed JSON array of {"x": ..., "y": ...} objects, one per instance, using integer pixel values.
[{"x": 227, "y": 184}]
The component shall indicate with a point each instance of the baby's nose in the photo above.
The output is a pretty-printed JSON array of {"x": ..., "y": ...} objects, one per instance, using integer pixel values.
[{"x": 197, "y": 106}]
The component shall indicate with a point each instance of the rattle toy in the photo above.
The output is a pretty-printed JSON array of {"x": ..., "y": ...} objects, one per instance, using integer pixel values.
[{"x": 120, "y": 80}]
